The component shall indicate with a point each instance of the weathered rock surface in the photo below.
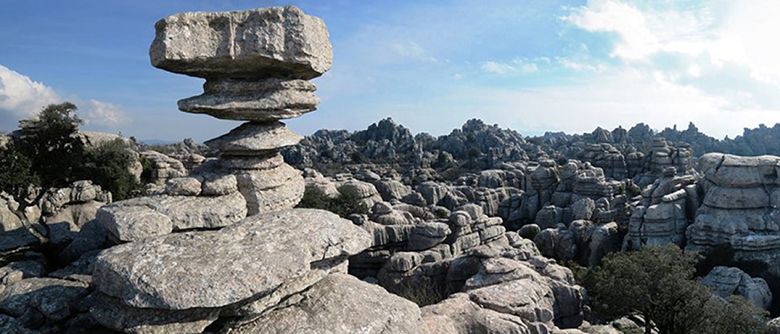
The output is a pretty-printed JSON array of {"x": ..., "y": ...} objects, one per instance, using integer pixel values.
[
  {"x": 259, "y": 43},
  {"x": 252, "y": 137},
  {"x": 218, "y": 268},
  {"x": 740, "y": 203},
  {"x": 727, "y": 281},
  {"x": 145, "y": 217},
  {"x": 340, "y": 304}
]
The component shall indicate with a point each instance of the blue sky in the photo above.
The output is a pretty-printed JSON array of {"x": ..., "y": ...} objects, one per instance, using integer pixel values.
[{"x": 532, "y": 66}]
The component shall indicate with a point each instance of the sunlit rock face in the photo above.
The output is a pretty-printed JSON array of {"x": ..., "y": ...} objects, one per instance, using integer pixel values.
[{"x": 740, "y": 207}]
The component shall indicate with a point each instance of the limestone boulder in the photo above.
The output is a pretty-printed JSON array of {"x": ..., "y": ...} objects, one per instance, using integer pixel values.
[
  {"x": 259, "y": 43},
  {"x": 340, "y": 304},
  {"x": 145, "y": 217},
  {"x": 217, "y": 268}
]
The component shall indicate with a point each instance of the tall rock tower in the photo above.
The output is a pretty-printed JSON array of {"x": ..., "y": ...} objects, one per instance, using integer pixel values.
[{"x": 257, "y": 64}]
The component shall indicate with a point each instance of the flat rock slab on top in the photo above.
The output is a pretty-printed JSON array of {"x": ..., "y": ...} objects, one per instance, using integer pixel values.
[
  {"x": 218, "y": 268},
  {"x": 251, "y": 137},
  {"x": 260, "y": 43}
]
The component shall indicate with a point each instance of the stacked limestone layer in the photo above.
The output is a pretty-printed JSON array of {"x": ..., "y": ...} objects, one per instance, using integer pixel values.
[
  {"x": 257, "y": 64},
  {"x": 663, "y": 214},
  {"x": 740, "y": 207},
  {"x": 663, "y": 155}
]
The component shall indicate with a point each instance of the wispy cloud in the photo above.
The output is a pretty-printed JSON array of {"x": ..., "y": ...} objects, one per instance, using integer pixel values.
[
  {"x": 103, "y": 114},
  {"x": 414, "y": 51},
  {"x": 517, "y": 65}
]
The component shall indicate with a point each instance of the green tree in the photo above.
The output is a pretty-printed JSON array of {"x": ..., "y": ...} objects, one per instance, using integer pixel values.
[
  {"x": 15, "y": 170},
  {"x": 657, "y": 283},
  {"x": 52, "y": 144},
  {"x": 108, "y": 165}
]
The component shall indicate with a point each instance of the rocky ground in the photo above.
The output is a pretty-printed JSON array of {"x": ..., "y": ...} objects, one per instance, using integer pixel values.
[{"x": 464, "y": 233}]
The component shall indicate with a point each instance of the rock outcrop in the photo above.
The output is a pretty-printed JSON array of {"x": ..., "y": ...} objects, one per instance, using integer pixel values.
[
  {"x": 741, "y": 197},
  {"x": 727, "y": 281}
]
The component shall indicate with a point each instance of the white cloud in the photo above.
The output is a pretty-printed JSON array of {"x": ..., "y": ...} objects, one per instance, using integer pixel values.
[
  {"x": 519, "y": 65},
  {"x": 497, "y": 68},
  {"x": 618, "y": 97},
  {"x": 741, "y": 32},
  {"x": 414, "y": 51},
  {"x": 643, "y": 32},
  {"x": 21, "y": 96},
  {"x": 102, "y": 114}
]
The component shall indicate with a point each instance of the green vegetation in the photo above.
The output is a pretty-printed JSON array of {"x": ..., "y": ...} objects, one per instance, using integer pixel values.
[
  {"x": 52, "y": 144},
  {"x": 107, "y": 165},
  {"x": 658, "y": 284},
  {"x": 421, "y": 293},
  {"x": 50, "y": 153},
  {"x": 344, "y": 204}
]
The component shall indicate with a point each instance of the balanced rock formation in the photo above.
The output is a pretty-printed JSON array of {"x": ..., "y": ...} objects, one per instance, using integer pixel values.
[{"x": 256, "y": 64}]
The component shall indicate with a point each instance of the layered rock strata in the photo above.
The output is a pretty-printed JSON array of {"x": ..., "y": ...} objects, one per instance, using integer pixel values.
[{"x": 741, "y": 197}]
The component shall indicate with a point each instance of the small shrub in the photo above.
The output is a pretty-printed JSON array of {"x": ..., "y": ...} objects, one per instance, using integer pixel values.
[
  {"x": 315, "y": 198},
  {"x": 422, "y": 294},
  {"x": 359, "y": 158},
  {"x": 146, "y": 173},
  {"x": 108, "y": 165},
  {"x": 347, "y": 202}
]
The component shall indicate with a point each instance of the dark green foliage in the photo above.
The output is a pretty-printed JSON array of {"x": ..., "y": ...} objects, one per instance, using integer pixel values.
[
  {"x": 314, "y": 198},
  {"x": 108, "y": 165},
  {"x": 50, "y": 153},
  {"x": 359, "y": 158},
  {"x": 421, "y": 293},
  {"x": 15, "y": 170},
  {"x": 344, "y": 204},
  {"x": 634, "y": 190},
  {"x": 474, "y": 152},
  {"x": 348, "y": 202},
  {"x": 657, "y": 283},
  {"x": 52, "y": 144},
  {"x": 146, "y": 173},
  {"x": 621, "y": 189}
]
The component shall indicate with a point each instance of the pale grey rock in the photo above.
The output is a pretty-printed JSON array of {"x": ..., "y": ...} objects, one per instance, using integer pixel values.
[
  {"x": 219, "y": 185},
  {"x": 427, "y": 235},
  {"x": 259, "y": 43},
  {"x": 727, "y": 281},
  {"x": 144, "y": 217},
  {"x": 459, "y": 315},
  {"x": 114, "y": 315},
  {"x": 183, "y": 186},
  {"x": 260, "y": 100},
  {"x": 527, "y": 299},
  {"x": 270, "y": 190},
  {"x": 163, "y": 166},
  {"x": 365, "y": 191},
  {"x": 254, "y": 162},
  {"x": 217, "y": 268},
  {"x": 392, "y": 189},
  {"x": 498, "y": 270},
  {"x": 251, "y": 137},
  {"x": 340, "y": 304}
]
